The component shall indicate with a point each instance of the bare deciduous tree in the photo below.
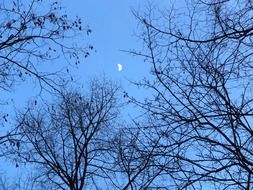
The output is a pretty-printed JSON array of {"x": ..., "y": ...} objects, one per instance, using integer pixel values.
[
  {"x": 68, "y": 140},
  {"x": 31, "y": 33},
  {"x": 201, "y": 111}
]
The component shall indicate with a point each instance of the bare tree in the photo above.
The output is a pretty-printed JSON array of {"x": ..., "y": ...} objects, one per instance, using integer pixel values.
[
  {"x": 139, "y": 158},
  {"x": 201, "y": 112},
  {"x": 33, "y": 32},
  {"x": 20, "y": 183},
  {"x": 67, "y": 141}
]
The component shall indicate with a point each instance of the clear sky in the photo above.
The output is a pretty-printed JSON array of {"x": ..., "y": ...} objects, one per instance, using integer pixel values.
[{"x": 114, "y": 28}]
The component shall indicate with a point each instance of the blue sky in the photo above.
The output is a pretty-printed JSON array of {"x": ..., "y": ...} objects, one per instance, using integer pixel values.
[
  {"x": 113, "y": 29},
  {"x": 113, "y": 26}
]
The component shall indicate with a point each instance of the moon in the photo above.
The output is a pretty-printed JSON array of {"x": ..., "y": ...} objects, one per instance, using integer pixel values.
[{"x": 119, "y": 67}]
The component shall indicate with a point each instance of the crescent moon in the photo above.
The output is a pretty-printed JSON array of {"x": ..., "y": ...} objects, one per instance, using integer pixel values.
[{"x": 119, "y": 67}]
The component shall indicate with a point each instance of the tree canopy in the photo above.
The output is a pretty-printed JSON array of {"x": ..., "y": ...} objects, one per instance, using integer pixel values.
[{"x": 192, "y": 129}]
